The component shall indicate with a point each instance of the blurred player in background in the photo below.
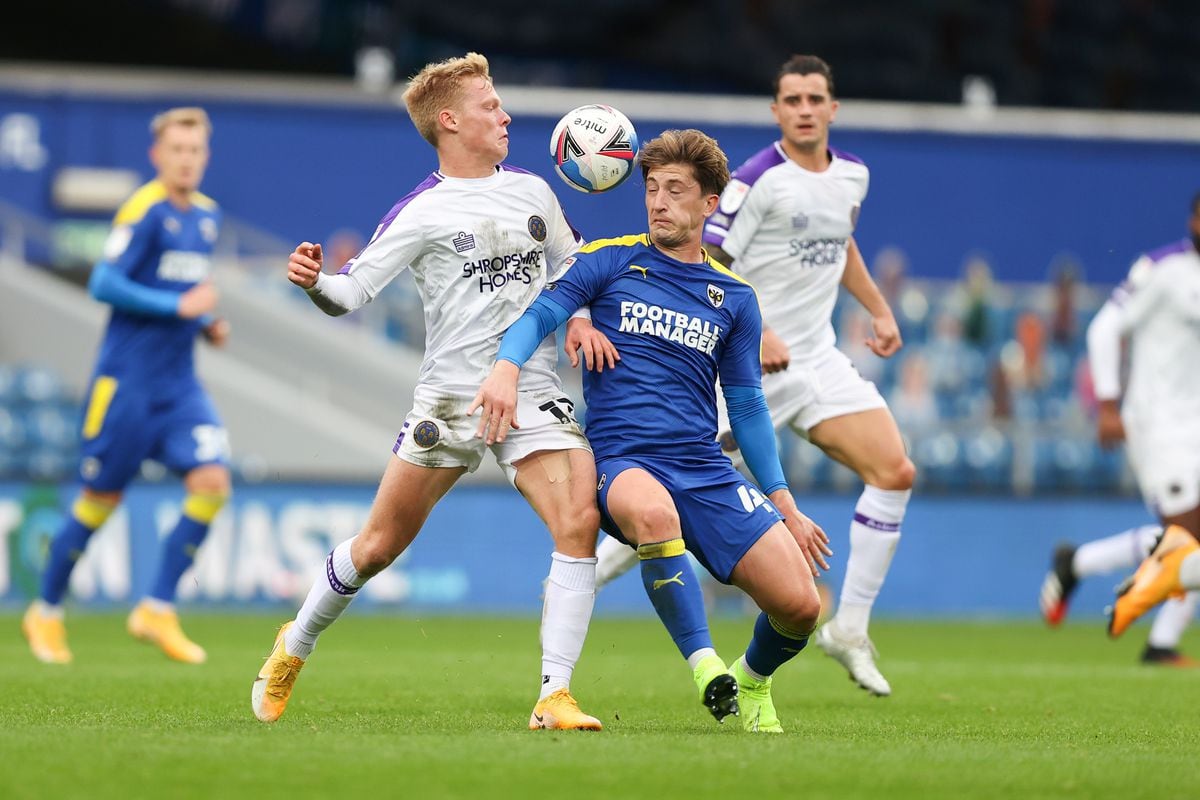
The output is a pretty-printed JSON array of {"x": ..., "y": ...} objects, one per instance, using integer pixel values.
[
  {"x": 482, "y": 239},
  {"x": 785, "y": 222},
  {"x": 1070, "y": 564},
  {"x": 680, "y": 320},
  {"x": 1158, "y": 309},
  {"x": 145, "y": 400}
]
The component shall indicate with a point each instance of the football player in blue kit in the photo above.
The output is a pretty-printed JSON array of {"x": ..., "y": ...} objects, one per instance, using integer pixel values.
[
  {"x": 145, "y": 400},
  {"x": 680, "y": 321}
]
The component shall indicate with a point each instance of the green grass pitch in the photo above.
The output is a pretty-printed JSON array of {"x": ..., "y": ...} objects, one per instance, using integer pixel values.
[{"x": 437, "y": 707}]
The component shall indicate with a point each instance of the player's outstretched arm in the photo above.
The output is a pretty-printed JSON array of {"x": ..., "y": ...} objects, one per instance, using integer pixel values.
[
  {"x": 109, "y": 285},
  {"x": 333, "y": 294},
  {"x": 497, "y": 397},
  {"x": 858, "y": 282}
]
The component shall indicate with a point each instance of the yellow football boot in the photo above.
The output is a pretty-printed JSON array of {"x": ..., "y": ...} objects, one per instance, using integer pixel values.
[
  {"x": 1155, "y": 580},
  {"x": 47, "y": 636},
  {"x": 559, "y": 711},
  {"x": 161, "y": 628},
  {"x": 273, "y": 687}
]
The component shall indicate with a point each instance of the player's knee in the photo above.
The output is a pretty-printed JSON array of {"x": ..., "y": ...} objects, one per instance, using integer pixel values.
[
  {"x": 800, "y": 613},
  {"x": 655, "y": 522},
  {"x": 373, "y": 553},
  {"x": 575, "y": 534},
  {"x": 211, "y": 479},
  {"x": 896, "y": 476}
]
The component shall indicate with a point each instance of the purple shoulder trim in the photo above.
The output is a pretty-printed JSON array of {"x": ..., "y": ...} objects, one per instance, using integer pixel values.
[
  {"x": 844, "y": 156},
  {"x": 754, "y": 166},
  {"x": 1174, "y": 248},
  {"x": 433, "y": 180},
  {"x": 511, "y": 168}
]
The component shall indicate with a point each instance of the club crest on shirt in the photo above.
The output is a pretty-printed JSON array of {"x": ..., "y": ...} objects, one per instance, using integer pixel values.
[
  {"x": 171, "y": 224},
  {"x": 426, "y": 433},
  {"x": 800, "y": 221},
  {"x": 463, "y": 242},
  {"x": 537, "y": 228},
  {"x": 208, "y": 229},
  {"x": 716, "y": 295}
]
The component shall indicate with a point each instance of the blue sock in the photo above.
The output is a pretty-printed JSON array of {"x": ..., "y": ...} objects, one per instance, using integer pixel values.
[
  {"x": 673, "y": 588},
  {"x": 772, "y": 646},
  {"x": 179, "y": 550},
  {"x": 87, "y": 515},
  {"x": 178, "y": 553}
]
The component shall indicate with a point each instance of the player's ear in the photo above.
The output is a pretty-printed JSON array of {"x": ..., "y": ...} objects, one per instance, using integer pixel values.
[
  {"x": 448, "y": 119},
  {"x": 710, "y": 204}
]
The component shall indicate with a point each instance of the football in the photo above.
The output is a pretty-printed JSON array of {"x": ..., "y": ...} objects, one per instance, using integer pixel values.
[{"x": 594, "y": 148}]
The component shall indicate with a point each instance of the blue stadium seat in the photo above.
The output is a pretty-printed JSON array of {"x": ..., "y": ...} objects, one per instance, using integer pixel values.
[
  {"x": 37, "y": 385},
  {"x": 939, "y": 462}
]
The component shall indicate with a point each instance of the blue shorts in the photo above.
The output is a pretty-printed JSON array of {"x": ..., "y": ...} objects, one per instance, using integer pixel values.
[
  {"x": 124, "y": 424},
  {"x": 721, "y": 513}
]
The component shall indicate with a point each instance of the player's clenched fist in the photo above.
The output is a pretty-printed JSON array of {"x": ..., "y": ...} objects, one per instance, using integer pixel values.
[{"x": 304, "y": 265}]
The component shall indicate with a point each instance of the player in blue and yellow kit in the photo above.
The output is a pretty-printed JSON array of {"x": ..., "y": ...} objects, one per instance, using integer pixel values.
[
  {"x": 680, "y": 321},
  {"x": 145, "y": 400}
]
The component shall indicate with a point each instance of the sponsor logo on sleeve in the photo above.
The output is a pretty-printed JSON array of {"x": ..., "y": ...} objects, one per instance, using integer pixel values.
[{"x": 733, "y": 196}]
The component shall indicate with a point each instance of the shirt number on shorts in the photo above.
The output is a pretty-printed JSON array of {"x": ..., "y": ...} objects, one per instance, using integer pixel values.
[
  {"x": 562, "y": 409},
  {"x": 750, "y": 497},
  {"x": 212, "y": 442}
]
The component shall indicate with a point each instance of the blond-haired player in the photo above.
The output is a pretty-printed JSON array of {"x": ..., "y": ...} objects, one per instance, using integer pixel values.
[
  {"x": 145, "y": 400},
  {"x": 481, "y": 239}
]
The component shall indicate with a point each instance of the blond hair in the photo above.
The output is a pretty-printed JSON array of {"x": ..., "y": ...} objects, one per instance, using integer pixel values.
[
  {"x": 695, "y": 148},
  {"x": 189, "y": 117},
  {"x": 439, "y": 85}
]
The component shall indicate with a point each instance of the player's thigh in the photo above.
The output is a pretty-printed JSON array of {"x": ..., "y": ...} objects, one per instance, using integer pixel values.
[
  {"x": 118, "y": 433},
  {"x": 560, "y": 486},
  {"x": 776, "y": 575},
  {"x": 407, "y": 493},
  {"x": 869, "y": 443},
  {"x": 641, "y": 506}
]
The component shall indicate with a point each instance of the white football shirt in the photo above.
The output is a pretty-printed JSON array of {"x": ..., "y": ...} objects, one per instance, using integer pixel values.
[
  {"x": 788, "y": 230},
  {"x": 480, "y": 250},
  {"x": 1159, "y": 305}
]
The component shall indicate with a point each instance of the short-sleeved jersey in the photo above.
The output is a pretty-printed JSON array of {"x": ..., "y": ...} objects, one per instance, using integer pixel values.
[
  {"x": 787, "y": 230},
  {"x": 480, "y": 250},
  {"x": 1160, "y": 310},
  {"x": 677, "y": 327},
  {"x": 158, "y": 245}
]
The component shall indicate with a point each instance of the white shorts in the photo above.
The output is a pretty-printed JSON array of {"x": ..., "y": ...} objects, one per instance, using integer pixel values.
[
  {"x": 438, "y": 432},
  {"x": 819, "y": 388},
  {"x": 1167, "y": 466}
]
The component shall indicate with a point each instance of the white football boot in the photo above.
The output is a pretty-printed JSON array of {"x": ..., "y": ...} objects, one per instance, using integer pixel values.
[{"x": 857, "y": 656}]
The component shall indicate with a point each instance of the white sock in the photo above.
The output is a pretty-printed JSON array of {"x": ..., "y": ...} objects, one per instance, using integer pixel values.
[
  {"x": 566, "y": 612},
  {"x": 698, "y": 656},
  {"x": 874, "y": 534},
  {"x": 52, "y": 611},
  {"x": 1189, "y": 571},
  {"x": 1172, "y": 620},
  {"x": 161, "y": 606},
  {"x": 613, "y": 559},
  {"x": 750, "y": 671},
  {"x": 1119, "y": 551},
  {"x": 327, "y": 599}
]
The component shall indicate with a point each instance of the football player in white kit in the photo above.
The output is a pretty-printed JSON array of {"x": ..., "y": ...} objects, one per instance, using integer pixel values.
[
  {"x": 482, "y": 240},
  {"x": 1158, "y": 309},
  {"x": 786, "y": 224}
]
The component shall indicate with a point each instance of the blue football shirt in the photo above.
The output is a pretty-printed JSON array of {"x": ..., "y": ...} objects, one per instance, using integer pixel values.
[
  {"x": 160, "y": 246},
  {"x": 678, "y": 327}
]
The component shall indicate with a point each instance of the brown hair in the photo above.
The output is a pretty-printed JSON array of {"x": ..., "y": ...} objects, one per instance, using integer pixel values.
[
  {"x": 438, "y": 86},
  {"x": 692, "y": 147},
  {"x": 805, "y": 65},
  {"x": 189, "y": 117}
]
